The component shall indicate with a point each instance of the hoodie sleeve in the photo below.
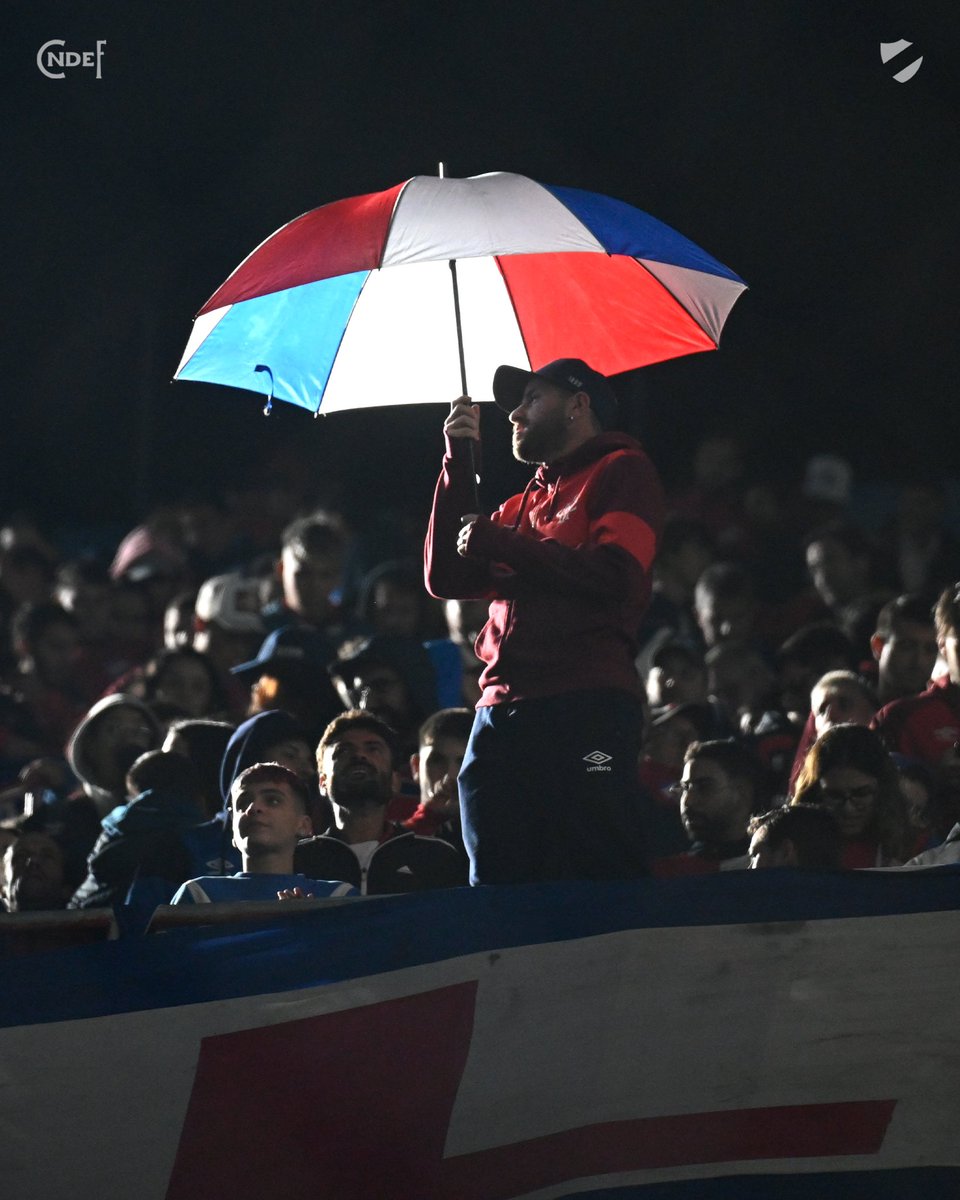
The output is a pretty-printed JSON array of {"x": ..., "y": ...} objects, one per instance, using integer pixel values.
[
  {"x": 625, "y": 513},
  {"x": 446, "y": 574}
]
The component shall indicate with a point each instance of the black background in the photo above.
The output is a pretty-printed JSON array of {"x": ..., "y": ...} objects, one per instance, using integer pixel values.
[{"x": 769, "y": 133}]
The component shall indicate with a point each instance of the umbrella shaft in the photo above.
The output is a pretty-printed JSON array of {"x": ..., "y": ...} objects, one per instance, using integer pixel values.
[{"x": 456, "y": 313}]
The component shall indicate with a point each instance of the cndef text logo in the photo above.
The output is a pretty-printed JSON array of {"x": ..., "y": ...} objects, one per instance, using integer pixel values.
[{"x": 53, "y": 60}]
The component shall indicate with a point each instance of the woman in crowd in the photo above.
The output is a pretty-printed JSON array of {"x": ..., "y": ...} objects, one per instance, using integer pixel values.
[
  {"x": 849, "y": 772},
  {"x": 185, "y": 682}
]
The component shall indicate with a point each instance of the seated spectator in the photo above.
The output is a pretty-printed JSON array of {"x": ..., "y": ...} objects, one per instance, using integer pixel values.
[
  {"x": 391, "y": 677},
  {"x": 178, "y": 620},
  {"x": 849, "y": 772},
  {"x": 357, "y": 758},
  {"x": 227, "y": 627},
  {"x": 838, "y": 698},
  {"x": 185, "y": 681},
  {"x": 269, "y": 816},
  {"x": 143, "y": 838},
  {"x": 740, "y": 684},
  {"x": 290, "y": 672},
  {"x": 454, "y": 659},
  {"x": 677, "y": 675},
  {"x": 274, "y": 736},
  {"x": 725, "y": 604},
  {"x": 47, "y": 648},
  {"x": 944, "y": 855},
  {"x": 133, "y": 636},
  {"x": 33, "y": 874},
  {"x": 840, "y": 559},
  {"x": 393, "y": 601},
  {"x": 204, "y": 743},
  {"x": 920, "y": 797},
  {"x": 805, "y": 657},
  {"x": 435, "y": 767},
  {"x": 841, "y": 698},
  {"x": 927, "y": 727},
  {"x": 905, "y": 647},
  {"x": 666, "y": 736},
  {"x": 116, "y": 731},
  {"x": 717, "y": 795},
  {"x": 113, "y": 734},
  {"x": 151, "y": 556},
  {"x": 795, "y": 835},
  {"x": 310, "y": 572}
]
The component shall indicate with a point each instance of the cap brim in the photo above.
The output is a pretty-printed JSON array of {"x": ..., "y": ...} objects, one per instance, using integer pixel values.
[
  {"x": 253, "y": 668},
  {"x": 508, "y": 385}
]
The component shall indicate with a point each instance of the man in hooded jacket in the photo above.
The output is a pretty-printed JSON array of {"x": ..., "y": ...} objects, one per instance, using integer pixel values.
[{"x": 549, "y": 782}]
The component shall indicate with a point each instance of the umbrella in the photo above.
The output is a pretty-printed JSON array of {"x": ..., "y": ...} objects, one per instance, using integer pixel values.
[{"x": 350, "y": 304}]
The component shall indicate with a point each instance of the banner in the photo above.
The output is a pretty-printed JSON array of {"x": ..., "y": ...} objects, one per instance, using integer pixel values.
[{"x": 739, "y": 1035}]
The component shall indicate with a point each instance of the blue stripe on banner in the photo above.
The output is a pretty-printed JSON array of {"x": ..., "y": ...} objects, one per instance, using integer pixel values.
[
  {"x": 372, "y": 936},
  {"x": 915, "y": 1183},
  {"x": 296, "y": 333},
  {"x": 623, "y": 229}
]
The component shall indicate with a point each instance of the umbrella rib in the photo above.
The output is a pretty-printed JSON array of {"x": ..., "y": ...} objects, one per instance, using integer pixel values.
[
  {"x": 393, "y": 218},
  {"x": 343, "y": 334}
]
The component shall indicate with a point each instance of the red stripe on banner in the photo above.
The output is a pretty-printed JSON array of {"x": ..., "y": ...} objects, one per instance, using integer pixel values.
[
  {"x": 631, "y": 533},
  {"x": 337, "y": 239},
  {"x": 355, "y": 1105},
  {"x": 350, "y": 1104},
  {"x": 797, "y": 1131},
  {"x": 604, "y": 309}
]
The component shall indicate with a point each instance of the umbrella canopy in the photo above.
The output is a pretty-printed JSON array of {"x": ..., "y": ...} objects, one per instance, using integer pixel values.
[{"x": 350, "y": 305}]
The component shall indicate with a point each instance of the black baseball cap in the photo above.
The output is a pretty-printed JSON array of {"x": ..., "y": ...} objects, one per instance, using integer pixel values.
[{"x": 571, "y": 373}]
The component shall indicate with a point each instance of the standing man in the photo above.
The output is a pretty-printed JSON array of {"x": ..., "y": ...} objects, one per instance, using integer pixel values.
[{"x": 549, "y": 782}]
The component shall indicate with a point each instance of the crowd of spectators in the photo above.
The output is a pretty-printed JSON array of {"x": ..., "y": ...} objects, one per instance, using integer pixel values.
[{"x": 802, "y": 678}]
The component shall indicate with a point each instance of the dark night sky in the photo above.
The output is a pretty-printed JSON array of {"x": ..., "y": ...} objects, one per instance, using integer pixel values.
[{"x": 770, "y": 133}]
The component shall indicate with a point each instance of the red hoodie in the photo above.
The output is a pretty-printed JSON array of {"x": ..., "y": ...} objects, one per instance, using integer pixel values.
[{"x": 566, "y": 566}]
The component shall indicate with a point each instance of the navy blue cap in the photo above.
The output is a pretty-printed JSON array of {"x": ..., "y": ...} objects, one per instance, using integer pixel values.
[
  {"x": 571, "y": 373},
  {"x": 291, "y": 648}
]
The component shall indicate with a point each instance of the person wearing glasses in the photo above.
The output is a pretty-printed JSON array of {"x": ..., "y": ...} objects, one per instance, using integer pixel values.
[
  {"x": 849, "y": 772},
  {"x": 717, "y": 794}
]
